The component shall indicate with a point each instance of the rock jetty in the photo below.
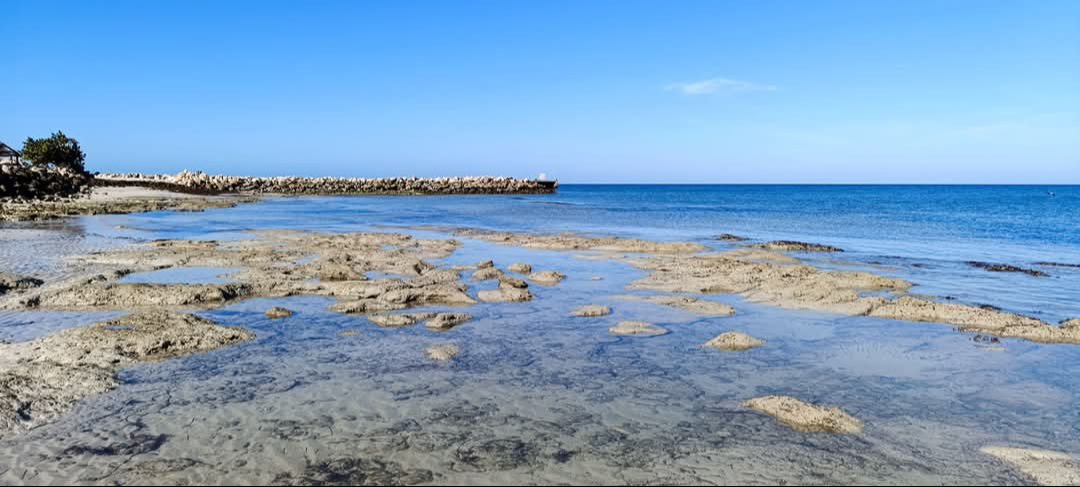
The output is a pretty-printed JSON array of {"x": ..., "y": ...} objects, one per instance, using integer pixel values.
[
  {"x": 18, "y": 181},
  {"x": 202, "y": 183}
]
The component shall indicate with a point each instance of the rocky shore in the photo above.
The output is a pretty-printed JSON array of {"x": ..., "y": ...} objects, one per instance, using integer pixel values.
[
  {"x": 19, "y": 181},
  {"x": 202, "y": 183}
]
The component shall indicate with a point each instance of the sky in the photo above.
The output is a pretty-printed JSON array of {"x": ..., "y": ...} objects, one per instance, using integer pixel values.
[{"x": 593, "y": 91}]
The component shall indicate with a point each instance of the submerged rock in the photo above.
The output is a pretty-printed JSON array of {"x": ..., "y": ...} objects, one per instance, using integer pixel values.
[
  {"x": 804, "y": 416},
  {"x": 591, "y": 310},
  {"x": 730, "y": 238},
  {"x": 355, "y": 471},
  {"x": 520, "y": 268},
  {"x": 1006, "y": 268},
  {"x": 42, "y": 378},
  {"x": 734, "y": 341},
  {"x": 695, "y": 305},
  {"x": 446, "y": 321},
  {"x": 1044, "y": 466},
  {"x": 443, "y": 352},
  {"x": 275, "y": 312},
  {"x": 12, "y": 282},
  {"x": 1058, "y": 264},
  {"x": 547, "y": 278},
  {"x": 791, "y": 245},
  {"x": 636, "y": 328}
]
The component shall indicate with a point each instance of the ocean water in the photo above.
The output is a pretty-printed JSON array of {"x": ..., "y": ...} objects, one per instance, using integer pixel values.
[{"x": 538, "y": 397}]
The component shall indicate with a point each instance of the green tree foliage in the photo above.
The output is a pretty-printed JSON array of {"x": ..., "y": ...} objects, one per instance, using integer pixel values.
[{"x": 58, "y": 150}]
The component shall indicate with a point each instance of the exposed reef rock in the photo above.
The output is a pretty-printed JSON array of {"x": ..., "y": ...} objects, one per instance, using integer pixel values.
[
  {"x": 591, "y": 310},
  {"x": 547, "y": 278},
  {"x": 520, "y": 268},
  {"x": 730, "y": 238},
  {"x": 1071, "y": 323},
  {"x": 573, "y": 241},
  {"x": 977, "y": 318},
  {"x": 13, "y": 283},
  {"x": 487, "y": 273},
  {"x": 24, "y": 210},
  {"x": 803, "y": 416},
  {"x": 206, "y": 183},
  {"x": 1006, "y": 268},
  {"x": 278, "y": 264},
  {"x": 444, "y": 352},
  {"x": 446, "y": 321},
  {"x": 805, "y": 287},
  {"x": 129, "y": 296},
  {"x": 512, "y": 282},
  {"x": 1044, "y": 466},
  {"x": 395, "y": 320},
  {"x": 636, "y": 328},
  {"x": 734, "y": 341},
  {"x": 759, "y": 280},
  {"x": 275, "y": 312},
  {"x": 694, "y": 305},
  {"x": 42, "y": 378},
  {"x": 505, "y": 294},
  {"x": 793, "y": 246}
]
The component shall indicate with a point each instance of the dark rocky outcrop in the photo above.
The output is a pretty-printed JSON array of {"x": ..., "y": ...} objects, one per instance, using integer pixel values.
[
  {"x": 791, "y": 245},
  {"x": 1006, "y": 268},
  {"x": 18, "y": 181}
]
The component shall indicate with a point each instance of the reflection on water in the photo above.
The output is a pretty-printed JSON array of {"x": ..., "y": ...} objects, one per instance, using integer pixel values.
[
  {"x": 180, "y": 275},
  {"x": 539, "y": 397}
]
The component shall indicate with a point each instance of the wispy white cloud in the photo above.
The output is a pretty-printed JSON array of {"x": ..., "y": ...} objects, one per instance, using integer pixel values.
[{"x": 717, "y": 85}]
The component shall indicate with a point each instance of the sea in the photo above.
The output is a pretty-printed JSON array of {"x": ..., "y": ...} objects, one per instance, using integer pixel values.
[{"x": 537, "y": 397}]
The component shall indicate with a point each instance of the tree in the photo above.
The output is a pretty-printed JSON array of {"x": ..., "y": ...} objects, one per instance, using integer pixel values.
[{"x": 58, "y": 150}]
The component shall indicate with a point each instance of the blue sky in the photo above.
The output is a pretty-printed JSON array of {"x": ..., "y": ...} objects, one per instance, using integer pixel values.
[{"x": 586, "y": 91}]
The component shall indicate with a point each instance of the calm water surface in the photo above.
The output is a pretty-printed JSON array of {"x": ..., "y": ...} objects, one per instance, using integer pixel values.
[{"x": 537, "y": 397}]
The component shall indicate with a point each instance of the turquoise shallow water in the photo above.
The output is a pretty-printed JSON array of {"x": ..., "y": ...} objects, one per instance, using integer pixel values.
[{"x": 537, "y": 397}]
